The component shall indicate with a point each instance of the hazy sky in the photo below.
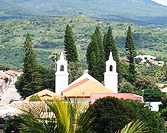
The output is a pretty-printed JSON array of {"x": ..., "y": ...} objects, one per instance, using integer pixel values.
[{"x": 163, "y": 2}]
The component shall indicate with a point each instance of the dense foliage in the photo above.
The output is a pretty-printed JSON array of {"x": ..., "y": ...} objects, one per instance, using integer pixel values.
[
  {"x": 30, "y": 81},
  {"x": 111, "y": 114},
  {"x": 12, "y": 124},
  {"x": 153, "y": 120},
  {"x": 69, "y": 45},
  {"x": 75, "y": 71},
  {"x": 131, "y": 54},
  {"x": 110, "y": 46},
  {"x": 35, "y": 77},
  {"x": 95, "y": 56}
]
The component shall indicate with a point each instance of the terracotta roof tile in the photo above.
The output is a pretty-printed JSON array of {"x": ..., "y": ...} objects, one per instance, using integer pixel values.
[
  {"x": 44, "y": 94},
  {"x": 96, "y": 96},
  {"x": 84, "y": 88}
]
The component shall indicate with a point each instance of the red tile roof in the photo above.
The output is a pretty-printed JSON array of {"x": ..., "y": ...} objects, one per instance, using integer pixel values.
[
  {"x": 13, "y": 72},
  {"x": 96, "y": 96}
]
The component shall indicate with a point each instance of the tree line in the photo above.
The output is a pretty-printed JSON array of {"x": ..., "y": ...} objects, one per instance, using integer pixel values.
[{"x": 36, "y": 77}]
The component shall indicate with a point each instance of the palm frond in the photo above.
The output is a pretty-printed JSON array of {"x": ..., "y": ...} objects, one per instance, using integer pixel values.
[
  {"x": 58, "y": 116},
  {"x": 134, "y": 127}
]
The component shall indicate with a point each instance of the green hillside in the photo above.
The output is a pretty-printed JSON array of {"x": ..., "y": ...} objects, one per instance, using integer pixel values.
[
  {"x": 136, "y": 11},
  {"x": 48, "y": 33}
]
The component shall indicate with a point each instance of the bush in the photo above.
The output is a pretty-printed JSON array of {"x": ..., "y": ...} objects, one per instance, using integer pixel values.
[
  {"x": 35, "y": 98},
  {"x": 12, "y": 124},
  {"x": 145, "y": 82},
  {"x": 126, "y": 87},
  {"x": 153, "y": 95},
  {"x": 112, "y": 114},
  {"x": 163, "y": 105},
  {"x": 153, "y": 120},
  {"x": 163, "y": 113}
]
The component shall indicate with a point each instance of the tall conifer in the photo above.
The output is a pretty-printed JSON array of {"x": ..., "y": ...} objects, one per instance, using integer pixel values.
[
  {"x": 130, "y": 53},
  {"x": 95, "y": 56},
  {"x": 69, "y": 45},
  {"x": 30, "y": 82},
  {"x": 110, "y": 46}
]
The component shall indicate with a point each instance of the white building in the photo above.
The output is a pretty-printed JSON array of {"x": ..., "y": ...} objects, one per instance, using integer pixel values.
[{"x": 110, "y": 77}]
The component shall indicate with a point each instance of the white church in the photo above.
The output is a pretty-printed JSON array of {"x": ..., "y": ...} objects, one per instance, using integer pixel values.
[{"x": 88, "y": 88}]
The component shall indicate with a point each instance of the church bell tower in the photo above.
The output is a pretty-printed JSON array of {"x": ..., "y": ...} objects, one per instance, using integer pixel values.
[
  {"x": 111, "y": 76},
  {"x": 61, "y": 75}
]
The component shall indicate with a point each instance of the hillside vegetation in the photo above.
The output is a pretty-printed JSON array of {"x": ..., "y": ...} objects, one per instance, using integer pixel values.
[
  {"x": 138, "y": 11},
  {"x": 48, "y": 37}
]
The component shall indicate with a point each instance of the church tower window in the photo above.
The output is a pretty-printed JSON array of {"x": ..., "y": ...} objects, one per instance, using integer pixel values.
[
  {"x": 111, "y": 68},
  {"x": 61, "y": 68}
]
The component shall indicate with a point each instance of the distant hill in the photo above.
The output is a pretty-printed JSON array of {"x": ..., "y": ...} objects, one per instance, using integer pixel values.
[
  {"x": 48, "y": 35},
  {"x": 136, "y": 11}
]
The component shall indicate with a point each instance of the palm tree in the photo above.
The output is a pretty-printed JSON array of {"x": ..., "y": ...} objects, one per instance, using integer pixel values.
[
  {"x": 134, "y": 127},
  {"x": 54, "y": 57},
  {"x": 58, "y": 116}
]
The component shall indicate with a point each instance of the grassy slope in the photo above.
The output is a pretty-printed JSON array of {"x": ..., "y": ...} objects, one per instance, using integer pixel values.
[{"x": 48, "y": 33}]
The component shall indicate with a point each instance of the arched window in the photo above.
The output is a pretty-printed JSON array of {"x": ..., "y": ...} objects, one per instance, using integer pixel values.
[
  {"x": 111, "y": 68},
  {"x": 61, "y": 68}
]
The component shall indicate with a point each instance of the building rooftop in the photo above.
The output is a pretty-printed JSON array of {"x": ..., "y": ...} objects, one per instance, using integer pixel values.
[
  {"x": 44, "y": 95},
  {"x": 84, "y": 88},
  {"x": 96, "y": 96}
]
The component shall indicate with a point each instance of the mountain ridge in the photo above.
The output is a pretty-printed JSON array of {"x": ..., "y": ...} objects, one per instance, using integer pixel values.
[{"x": 137, "y": 11}]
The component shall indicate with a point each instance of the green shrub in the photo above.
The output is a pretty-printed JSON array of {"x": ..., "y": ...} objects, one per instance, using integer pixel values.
[
  {"x": 112, "y": 114},
  {"x": 35, "y": 98}
]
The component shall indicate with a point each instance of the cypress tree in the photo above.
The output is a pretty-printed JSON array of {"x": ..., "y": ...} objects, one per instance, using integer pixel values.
[
  {"x": 130, "y": 53},
  {"x": 69, "y": 45},
  {"x": 105, "y": 47},
  {"x": 30, "y": 82},
  {"x": 101, "y": 60},
  {"x": 95, "y": 56},
  {"x": 110, "y": 46}
]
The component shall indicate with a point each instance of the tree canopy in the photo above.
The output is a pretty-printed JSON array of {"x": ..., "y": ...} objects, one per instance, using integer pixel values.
[
  {"x": 95, "y": 56},
  {"x": 130, "y": 53},
  {"x": 69, "y": 45},
  {"x": 112, "y": 114},
  {"x": 35, "y": 76}
]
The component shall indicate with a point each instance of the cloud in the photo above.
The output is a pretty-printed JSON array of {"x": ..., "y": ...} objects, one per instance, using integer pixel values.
[{"x": 163, "y": 2}]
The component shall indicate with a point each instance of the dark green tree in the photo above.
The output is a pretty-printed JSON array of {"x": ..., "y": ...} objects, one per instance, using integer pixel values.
[
  {"x": 130, "y": 53},
  {"x": 112, "y": 114},
  {"x": 105, "y": 46},
  {"x": 30, "y": 82},
  {"x": 48, "y": 78},
  {"x": 110, "y": 46},
  {"x": 12, "y": 124},
  {"x": 75, "y": 71},
  {"x": 95, "y": 56},
  {"x": 153, "y": 120},
  {"x": 69, "y": 45}
]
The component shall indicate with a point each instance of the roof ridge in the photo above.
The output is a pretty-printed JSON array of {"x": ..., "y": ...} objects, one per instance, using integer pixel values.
[{"x": 76, "y": 84}]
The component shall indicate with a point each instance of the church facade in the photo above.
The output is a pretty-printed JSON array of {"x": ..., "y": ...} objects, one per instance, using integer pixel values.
[
  {"x": 86, "y": 84},
  {"x": 87, "y": 88}
]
